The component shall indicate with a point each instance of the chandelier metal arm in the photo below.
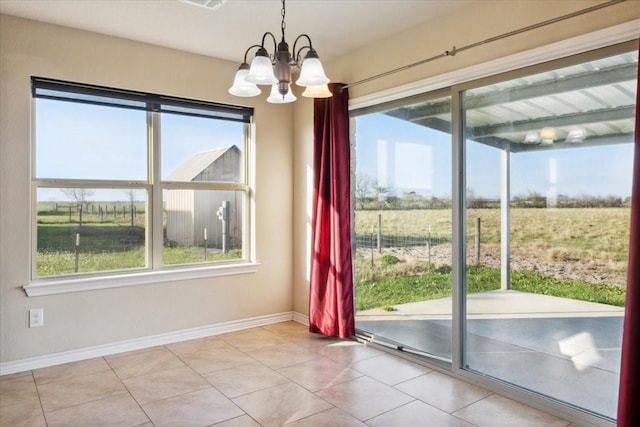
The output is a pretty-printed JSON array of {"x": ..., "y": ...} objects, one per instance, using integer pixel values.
[
  {"x": 296, "y": 53},
  {"x": 248, "y": 50},
  {"x": 275, "y": 44}
]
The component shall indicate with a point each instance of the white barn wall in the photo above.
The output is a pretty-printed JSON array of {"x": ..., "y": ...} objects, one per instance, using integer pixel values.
[
  {"x": 93, "y": 318},
  {"x": 180, "y": 216},
  {"x": 189, "y": 212}
]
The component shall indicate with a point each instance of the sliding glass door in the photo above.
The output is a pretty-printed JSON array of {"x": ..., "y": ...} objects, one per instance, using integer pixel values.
[
  {"x": 494, "y": 235},
  {"x": 402, "y": 203},
  {"x": 548, "y": 170}
]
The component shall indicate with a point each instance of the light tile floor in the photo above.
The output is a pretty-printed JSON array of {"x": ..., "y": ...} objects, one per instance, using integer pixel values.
[{"x": 270, "y": 376}]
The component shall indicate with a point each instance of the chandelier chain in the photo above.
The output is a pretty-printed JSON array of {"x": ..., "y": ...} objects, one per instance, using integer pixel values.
[{"x": 283, "y": 25}]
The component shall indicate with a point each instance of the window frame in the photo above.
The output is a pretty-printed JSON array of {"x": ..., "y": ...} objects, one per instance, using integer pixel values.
[{"x": 154, "y": 271}]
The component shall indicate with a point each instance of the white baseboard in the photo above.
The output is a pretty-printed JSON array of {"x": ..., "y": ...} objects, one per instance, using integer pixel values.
[
  {"x": 146, "y": 342},
  {"x": 301, "y": 318}
]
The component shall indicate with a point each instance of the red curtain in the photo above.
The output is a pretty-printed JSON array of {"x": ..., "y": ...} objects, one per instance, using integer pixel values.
[
  {"x": 629, "y": 393},
  {"x": 331, "y": 284}
]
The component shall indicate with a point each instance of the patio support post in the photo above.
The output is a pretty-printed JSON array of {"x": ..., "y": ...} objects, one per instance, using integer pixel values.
[{"x": 505, "y": 219}]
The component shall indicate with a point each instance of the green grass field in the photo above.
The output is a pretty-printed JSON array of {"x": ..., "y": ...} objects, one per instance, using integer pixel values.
[
  {"x": 601, "y": 233},
  {"x": 385, "y": 288},
  {"x": 107, "y": 243},
  {"x": 596, "y": 237}
]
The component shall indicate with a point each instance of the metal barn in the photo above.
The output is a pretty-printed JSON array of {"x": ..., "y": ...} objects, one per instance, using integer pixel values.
[{"x": 189, "y": 212}]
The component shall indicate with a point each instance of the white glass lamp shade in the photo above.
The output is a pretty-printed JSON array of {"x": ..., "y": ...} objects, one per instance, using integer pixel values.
[
  {"x": 277, "y": 98},
  {"x": 312, "y": 73},
  {"x": 548, "y": 135},
  {"x": 241, "y": 87},
  {"x": 320, "y": 91},
  {"x": 261, "y": 71},
  {"x": 576, "y": 136},
  {"x": 531, "y": 137}
]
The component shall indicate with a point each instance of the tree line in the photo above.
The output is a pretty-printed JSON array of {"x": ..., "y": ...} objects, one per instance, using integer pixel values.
[{"x": 369, "y": 196}]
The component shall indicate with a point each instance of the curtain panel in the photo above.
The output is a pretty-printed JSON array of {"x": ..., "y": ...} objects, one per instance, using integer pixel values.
[
  {"x": 331, "y": 310},
  {"x": 629, "y": 392}
]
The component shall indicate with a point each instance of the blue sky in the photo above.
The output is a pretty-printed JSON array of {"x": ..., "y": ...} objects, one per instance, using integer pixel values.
[
  {"x": 91, "y": 142},
  {"x": 81, "y": 141},
  {"x": 420, "y": 161}
]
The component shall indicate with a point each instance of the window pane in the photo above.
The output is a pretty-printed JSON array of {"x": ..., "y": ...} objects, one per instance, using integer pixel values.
[
  {"x": 201, "y": 149},
  {"x": 83, "y": 141},
  {"x": 202, "y": 226},
  {"x": 403, "y": 225},
  {"x": 85, "y": 230},
  {"x": 549, "y": 166}
]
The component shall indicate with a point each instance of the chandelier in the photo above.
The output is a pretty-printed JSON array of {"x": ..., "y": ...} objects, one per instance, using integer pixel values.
[{"x": 275, "y": 70}]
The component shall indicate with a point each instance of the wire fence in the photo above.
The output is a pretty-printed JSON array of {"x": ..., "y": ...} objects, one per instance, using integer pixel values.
[
  {"x": 389, "y": 240},
  {"x": 415, "y": 238}
]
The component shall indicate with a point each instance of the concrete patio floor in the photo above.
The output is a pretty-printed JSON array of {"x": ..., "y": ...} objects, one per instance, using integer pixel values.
[
  {"x": 566, "y": 349},
  {"x": 497, "y": 304}
]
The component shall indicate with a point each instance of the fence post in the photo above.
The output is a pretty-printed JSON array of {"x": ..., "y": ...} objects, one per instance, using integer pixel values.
[
  {"x": 429, "y": 247},
  {"x": 379, "y": 233},
  {"x": 478, "y": 241},
  {"x": 373, "y": 228},
  {"x": 77, "y": 250},
  {"x": 205, "y": 243}
]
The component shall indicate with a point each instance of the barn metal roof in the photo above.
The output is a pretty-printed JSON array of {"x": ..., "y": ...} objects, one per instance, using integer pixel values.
[
  {"x": 587, "y": 104},
  {"x": 191, "y": 168}
]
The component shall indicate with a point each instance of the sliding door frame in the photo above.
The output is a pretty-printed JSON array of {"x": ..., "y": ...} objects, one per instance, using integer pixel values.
[{"x": 619, "y": 39}]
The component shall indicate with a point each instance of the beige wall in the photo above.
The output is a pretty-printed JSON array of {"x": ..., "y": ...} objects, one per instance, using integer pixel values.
[
  {"x": 480, "y": 21},
  {"x": 83, "y": 319},
  {"x": 284, "y": 162}
]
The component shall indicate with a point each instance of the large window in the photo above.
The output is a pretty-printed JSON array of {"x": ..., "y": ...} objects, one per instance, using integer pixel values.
[{"x": 127, "y": 181}]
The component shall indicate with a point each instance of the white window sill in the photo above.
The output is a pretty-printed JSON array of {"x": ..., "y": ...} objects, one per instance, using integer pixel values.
[{"x": 89, "y": 283}]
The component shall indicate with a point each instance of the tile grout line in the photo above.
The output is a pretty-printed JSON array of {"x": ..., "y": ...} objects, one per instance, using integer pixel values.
[
  {"x": 291, "y": 381},
  {"x": 129, "y": 392},
  {"x": 35, "y": 383},
  {"x": 141, "y": 406},
  {"x": 71, "y": 378}
]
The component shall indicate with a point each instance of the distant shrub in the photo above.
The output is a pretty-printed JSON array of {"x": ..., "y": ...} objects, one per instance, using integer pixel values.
[{"x": 389, "y": 260}]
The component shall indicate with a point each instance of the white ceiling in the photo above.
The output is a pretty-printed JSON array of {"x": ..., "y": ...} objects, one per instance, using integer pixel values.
[{"x": 335, "y": 26}]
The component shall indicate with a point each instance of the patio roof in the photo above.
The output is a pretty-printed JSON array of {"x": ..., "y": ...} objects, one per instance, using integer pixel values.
[{"x": 586, "y": 104}]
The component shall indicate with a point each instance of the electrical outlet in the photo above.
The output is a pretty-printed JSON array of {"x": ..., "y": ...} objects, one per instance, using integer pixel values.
[{"x": 36, "y": 317}]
